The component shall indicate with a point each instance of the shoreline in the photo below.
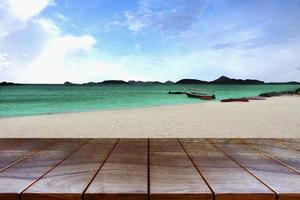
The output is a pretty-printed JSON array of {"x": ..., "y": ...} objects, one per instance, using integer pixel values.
[{"x": 274, "y": 117}]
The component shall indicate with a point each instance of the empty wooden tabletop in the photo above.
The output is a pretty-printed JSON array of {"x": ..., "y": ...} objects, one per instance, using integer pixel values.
[
  {"x": 282, "y": 153},
  {"x": 125, "y": 173},
  {"x": 20, "y": 150},
  {"x": 284, "y": 181},
  {"x": 226, "y": 178},
  {"x": 142, "y": 169},
  {"x": 71, "y": 177},
  {"x": 18, "y": 177},
  {"x": 172, "y": 173}
]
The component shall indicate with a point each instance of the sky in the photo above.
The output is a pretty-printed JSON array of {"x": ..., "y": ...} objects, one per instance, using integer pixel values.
[{"x": 53, "y": 41}]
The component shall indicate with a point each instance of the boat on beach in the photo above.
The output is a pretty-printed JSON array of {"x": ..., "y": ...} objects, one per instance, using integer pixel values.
[
  {"x": 242, "y": 99},
  {"x": 235, "y": 100},
  {"x": 199, "y": 95},
  {"x": 256, "y": 98}
]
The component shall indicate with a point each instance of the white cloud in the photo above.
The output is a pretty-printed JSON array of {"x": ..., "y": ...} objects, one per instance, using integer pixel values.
[
  {"x": 48, "y": 26},
  {"x": 56, "y": 59},
  {"x": 165, "y": 17},
  {"x": 3, "y": 56},
  {"x": 27, "y": 9},
  {"x": 4, "y": 61},
  {"x": 16, "y": 14},
  {"x": 59, "y": 57},
  {"x": 113, "y": 24},
  {"x": 135, "y": 23},
  {"x": 69, "y": 58},
  {"x": 274, "y": 62},
  {"x": 62, "y": 57},
  {"x": 60, "y": 16}
]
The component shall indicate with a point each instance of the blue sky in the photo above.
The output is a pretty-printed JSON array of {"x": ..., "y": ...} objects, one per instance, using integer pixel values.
[{"x": 52, "y": 41}]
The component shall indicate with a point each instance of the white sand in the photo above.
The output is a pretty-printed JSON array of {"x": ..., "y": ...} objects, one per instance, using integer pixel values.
[{"x": 274, "y": 117}]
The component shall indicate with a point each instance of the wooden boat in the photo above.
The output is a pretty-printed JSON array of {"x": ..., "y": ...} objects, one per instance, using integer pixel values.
[
  {"x": 256, "y": 98},
  {"x": 200, "y": 96},
  {"x": 235, "y": 100}
]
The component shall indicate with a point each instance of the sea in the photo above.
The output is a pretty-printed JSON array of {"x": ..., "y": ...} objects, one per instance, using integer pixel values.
[{"x": 37, "y": 99}]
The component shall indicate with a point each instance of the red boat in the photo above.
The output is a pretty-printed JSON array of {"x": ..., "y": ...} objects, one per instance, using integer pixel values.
[
  {"x": 235, "y": 100},
  {"x": 256, "y": 98}
]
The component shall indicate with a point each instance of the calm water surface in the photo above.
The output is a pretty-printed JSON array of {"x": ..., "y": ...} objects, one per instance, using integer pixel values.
[{"x": 43, "y": 99}]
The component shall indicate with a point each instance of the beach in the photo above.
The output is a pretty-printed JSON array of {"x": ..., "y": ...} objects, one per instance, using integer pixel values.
[{"x": 274, "y": 117}]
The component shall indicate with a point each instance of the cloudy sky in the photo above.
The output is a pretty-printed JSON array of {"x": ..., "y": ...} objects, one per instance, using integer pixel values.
[{"x": 51, "y": 41}]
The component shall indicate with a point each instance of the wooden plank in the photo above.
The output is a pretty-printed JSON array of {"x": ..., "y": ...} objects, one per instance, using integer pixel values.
[
  {"x": 71, "y": 177},
  {"x": 284, "y": 181},
  {"x": 276, "y": 150},
  {"x": 19, "y": 151},
  {"x": 124, "y": 175},
  {"x": 226, "y": 178},
  {"x": 172, "y": 174},
  {"x": 21, "y": 175},
  {"x": 5, "y": 142},
  {"x": 291, "y": 142}
]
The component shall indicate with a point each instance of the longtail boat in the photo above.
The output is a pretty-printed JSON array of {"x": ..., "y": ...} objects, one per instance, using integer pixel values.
[{"x": 200, "y": 96}]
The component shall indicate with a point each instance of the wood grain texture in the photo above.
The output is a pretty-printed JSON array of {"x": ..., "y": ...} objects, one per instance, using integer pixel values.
[
  {"x": 276, "y": 150},
  {"x": 284, "y": 181},
  {"x": 5, "y": 142},
  {"x": 159, "y": 169},
  {"x": 172, "y": 174},
  {"x": 291, "y": 142},
  {"x": 124, "y": 174},
  {"x": 71, "y": 177},
  {"x": 226, "y": 178},
  {"x": 18, "y": 177},
  {"x": 18, "y": 151}
]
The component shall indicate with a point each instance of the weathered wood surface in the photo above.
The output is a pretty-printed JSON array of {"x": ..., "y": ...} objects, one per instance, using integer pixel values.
[
  {"x": 292, "y": 143},
  {"x": 284, "y": 181},
  {"x": 6, "y": 142},
  {"x": 288, "y": 156},
  {"x": 71, "y": 177},
  {"x": 18, "y": 177},
  {"x": 172, "y": 174},
  {"x": 124, "y": 175},
  {"x": 18, "y": 151},
  {"x": 226, "y": 178},
  {"x": 158, "y": 169}
]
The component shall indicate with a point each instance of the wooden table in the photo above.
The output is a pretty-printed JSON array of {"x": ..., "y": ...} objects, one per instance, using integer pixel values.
[{"x": 142, "y": 169}]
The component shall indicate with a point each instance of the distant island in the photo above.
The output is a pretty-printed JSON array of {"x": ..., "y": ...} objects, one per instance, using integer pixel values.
[
  {"x": 226, "y": 80},
  {"x": 223, "y": 80},
  {"x": 4, "y": 83}
]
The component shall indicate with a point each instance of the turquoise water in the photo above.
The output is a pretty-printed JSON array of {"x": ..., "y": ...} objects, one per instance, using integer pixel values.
[{"x": 43, "y": 99}]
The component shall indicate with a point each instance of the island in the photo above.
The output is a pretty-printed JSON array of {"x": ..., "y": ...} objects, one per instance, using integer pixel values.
[
  {"x": 4, "y": 83},
  {"x": 220, "y": 80}
]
